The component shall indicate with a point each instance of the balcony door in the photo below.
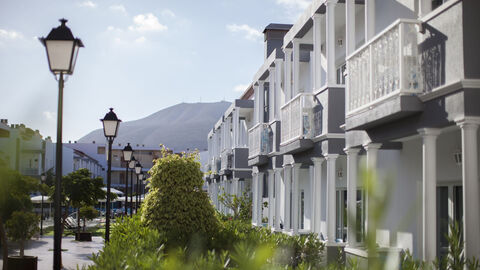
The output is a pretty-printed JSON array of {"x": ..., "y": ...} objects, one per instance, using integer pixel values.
[
  {"x": 449, "y": 211},
  {"x": 341, "y": 214}
]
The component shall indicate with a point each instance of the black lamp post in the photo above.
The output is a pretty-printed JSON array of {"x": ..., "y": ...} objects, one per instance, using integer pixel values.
[
  {"x": 110, "y": 129},
  {"x": 131, "y": 165},
  {"x": 140, "y": 179},
  {"x": 62, "y": 50},
  {"x": 138, "y": 170},
  {"x": 43, "y": 177},
  {"x": 127, "y": 156}
]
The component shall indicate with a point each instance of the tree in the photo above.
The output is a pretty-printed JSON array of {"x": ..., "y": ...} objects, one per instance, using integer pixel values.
[
  {"x": 14, "y": 196},
  {"x": 22, "y": 226},
  {"x": 240, "y": 205},
  {"x": 176, "y": 204},
  {"x": 80, "y": 189},
  {"x": 87, "y": 212}
]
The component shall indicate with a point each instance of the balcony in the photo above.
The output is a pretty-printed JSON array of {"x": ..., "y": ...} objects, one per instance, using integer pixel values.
[
  {"x": 385, "y": 67},
  {"x": 259, "y": 140},
  {"x": 226, "y": 161},
  {"x": 296, "y": 116}
]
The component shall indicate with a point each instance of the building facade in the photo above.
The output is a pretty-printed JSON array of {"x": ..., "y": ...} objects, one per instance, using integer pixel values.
[{"x": 386, "y": 87}]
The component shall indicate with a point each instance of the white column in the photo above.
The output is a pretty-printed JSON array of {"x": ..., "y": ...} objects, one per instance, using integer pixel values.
[
  {"x": 317, "y": 193},
  {"x": 295, "y": 197},
  {"x": 370, "y": 19},
  {"x": 331, "y": 198},
  {"x": 254, "y": 198},
  {"x": 236, "y": 129},
  {"x": 296, "y": 66},
  {"x": 287, "y": 178},
  {"x": 350, "y": 26},
  {"x": 278, "y": 183},
  {"x": 261, "y": 101},
  {"x": 256, "y": 103},
  {"x": 372, "y": 154},
  {"x": 352, "y": 173},
  {"x": 271, "y": 202},
  {"x": 471, "y": 193},
  {"x": 429, "y": 202},
  {"x": 311, "y": 179},
  {"x": 260, "y": 198},
  {"x": 279, "y": 97},
  {"x": 424, "y": 7},
  {"x": 271, "y": 93},
  {"x": 288, "y": 74},
  {"x": 330, "y": 42},
  {"x": 317, "y": 51}
]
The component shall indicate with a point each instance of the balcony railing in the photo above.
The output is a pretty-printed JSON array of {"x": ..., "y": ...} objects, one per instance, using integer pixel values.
[
  {"x": 387, "y": 65},
  {"x": 226, "y": 160},
  {"x": 296, "y": 116},
  {"x": 259, "y": 140}
]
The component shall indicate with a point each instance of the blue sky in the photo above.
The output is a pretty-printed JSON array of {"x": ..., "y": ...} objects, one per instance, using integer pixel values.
[{"x": 139, "y": 56}]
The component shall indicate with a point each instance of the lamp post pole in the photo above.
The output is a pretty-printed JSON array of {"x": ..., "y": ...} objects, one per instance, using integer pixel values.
[
  {"x": 138, "y": 170},
  {"x": 126, "y": 189},
  {"x": 42, "y": 178},
  {"x": 131, "y": 165},
  {"x": 127, "y": 157},
  {"x": 109, "y": 182}
]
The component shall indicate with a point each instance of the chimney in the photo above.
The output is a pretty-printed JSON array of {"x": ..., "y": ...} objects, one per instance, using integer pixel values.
[
  {"x": 4, "y": 121},
  {"x": 273, "y": 38}
]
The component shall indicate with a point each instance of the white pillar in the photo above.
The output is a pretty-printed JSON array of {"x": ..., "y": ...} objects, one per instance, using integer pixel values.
[
  {"x": 331, "y": 198},
  {"x": 278, "y": 96},
  {"x": 311, "y": 179},
  {"x": 317, "y": 51},
  {"x": 271, "y": 93},
  {"x": 295, "y": 197},
  {"x": 330, "y": 42},
  {"x": 260, "y": 198},
  {"x": 350, "y": 26},
  {"x": 429, "y": 202},
  {"x": 370, "y": 19},
  {"x": 372, "y": 154},
  {"x": 317, "y": 193},
  {"x": 471, "y": 193},
  {"x": 261, "y": 101},
  {"x": 424, "y": 7},
  {"x": 287, "y": 178},
  {"x": 296, "y": 66},
  {"x": 256, "y": 103},
  {"x": 278, "y": 183},
  {"x": 288, "y": 74},
  {"x": 236, "y": 127},
  {"x": 352, "y": 173},
  {"x": 253, "y": 187},
  {"x": 271, "y": 202}
]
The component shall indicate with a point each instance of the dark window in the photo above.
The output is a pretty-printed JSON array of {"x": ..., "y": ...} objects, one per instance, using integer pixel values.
[
  {"x": 265, "y": 186},
  {"x": 341, "y": 74}
]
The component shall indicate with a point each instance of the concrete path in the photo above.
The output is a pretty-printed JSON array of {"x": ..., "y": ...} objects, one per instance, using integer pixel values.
[{"x": 77, "y": 253}]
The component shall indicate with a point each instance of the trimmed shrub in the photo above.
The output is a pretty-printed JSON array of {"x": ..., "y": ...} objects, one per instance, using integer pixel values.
[{"x": 176, "y": 205}]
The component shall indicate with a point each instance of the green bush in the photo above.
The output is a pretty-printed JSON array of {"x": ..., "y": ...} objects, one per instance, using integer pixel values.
[
  {"x": 176, "y": 205},
  {"x": 21, "y": 227},
  {"x": 87, "y": 213}
]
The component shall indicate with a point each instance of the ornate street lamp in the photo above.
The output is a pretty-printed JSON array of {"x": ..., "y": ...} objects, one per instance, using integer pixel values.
[
  {"x": 43, "y": 177},
  {"x": 127, "y": 156},
  {"x": 110, "y": 129},
  {"x": 140, "y": 179},
  {"x": 131, "y": 165},
  {"x": 62, "y": 51},
  {"x": 138, "y": 170}
]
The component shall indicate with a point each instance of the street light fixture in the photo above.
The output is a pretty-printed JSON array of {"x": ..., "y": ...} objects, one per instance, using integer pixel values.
[
  {"x": 62, "y": 51},
  {"x": 131, "y": 165},
  {"x": 43, "y": 177},
  {"x": 127, "y": 156},
  {"x": 138, "y": 170},
  {"x": 140, "y": 189},
  {"x": 110, "y": 129}
]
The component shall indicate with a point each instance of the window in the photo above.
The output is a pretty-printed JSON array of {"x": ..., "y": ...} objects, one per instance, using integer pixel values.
[
  {"x": 449, "y": 211},
  {"x": 341, "y": 74},
  {"x": 437, "y": 3},
  {"x": 341, "y": 215},
  {"x": 265, "y": 186},
  {"x": 266, "y": 101},
  {"x": 302, "y": 209}
]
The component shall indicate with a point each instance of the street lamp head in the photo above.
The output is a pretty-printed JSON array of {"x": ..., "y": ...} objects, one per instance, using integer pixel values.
[
  {"x": 43, "y": 177},
  {"x": 140, "y": 176},
  {"x": 110, "y": 124},
  {"x": 138, "y": 168},
  {"x": 132, "y": 163},
  {"x": 62, "y": 49},
  {"x": 127, "y": 152}
]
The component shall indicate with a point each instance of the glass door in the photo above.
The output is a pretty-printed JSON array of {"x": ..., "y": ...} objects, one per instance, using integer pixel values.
[
  {"x": 341, "y": 214},
  {"x": 449, "y": 212}
]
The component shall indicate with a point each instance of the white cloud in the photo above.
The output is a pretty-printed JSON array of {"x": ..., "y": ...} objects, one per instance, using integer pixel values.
[
  {"x": 299, "y": 4},
  {"x": 49, "y": 115},
  {"x": 168, "y": 13},
  {"x": 118, "y": 8},
  {"x": 5, "y": 34},
  {"x": 88, "y": 4},
  {"x": 141, "y": 39},
  {"x": 249, "y": 32},
  {"x": 147, "y": 22},
  {"x": 240, "y": 88}
]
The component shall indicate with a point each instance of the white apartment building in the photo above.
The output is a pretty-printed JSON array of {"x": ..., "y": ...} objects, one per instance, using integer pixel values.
[{"x": 386, "y": 85}]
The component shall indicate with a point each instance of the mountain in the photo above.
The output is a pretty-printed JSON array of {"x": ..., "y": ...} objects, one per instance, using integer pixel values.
[{"x": 178, "y": 127}]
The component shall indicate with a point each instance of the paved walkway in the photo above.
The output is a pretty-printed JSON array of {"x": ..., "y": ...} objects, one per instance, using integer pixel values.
[{"x": 77, "y": 253}]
